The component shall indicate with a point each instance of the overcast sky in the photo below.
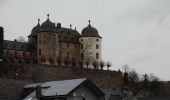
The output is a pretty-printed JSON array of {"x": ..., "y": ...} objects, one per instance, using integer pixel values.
[{"x": 135, "y": 32}]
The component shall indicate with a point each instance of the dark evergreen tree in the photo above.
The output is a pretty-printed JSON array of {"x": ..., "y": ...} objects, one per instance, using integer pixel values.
[{"x": 125, "y": 79}]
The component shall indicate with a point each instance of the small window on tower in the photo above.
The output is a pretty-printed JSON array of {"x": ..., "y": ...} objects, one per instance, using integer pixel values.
[
  {"x": 81, "y": 46},
  {"x": 81, "y": 40},
  {"x": 97, "y": 39},
  {"x": 97, "y": 55},
  {"x": 39, "y": 51},
  {"x": 82, "y": 56},
  {"x": 97, "y": 46}
]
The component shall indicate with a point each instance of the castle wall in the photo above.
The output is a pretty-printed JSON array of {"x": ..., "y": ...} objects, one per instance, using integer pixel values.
[
  {"x": 69, "y": 51},
  {"x": 42, "y": 73},
  {"x": 32, "y": 40},
  {"x": 48, "y": 47}
]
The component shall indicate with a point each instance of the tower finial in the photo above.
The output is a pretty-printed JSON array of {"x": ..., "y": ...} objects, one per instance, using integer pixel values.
[
  {"x": 70, "y": 26},
  {"x": 89, "y": 22},
  {"x": 48, "y": 16},
  {"x": 38, "y": 21}
]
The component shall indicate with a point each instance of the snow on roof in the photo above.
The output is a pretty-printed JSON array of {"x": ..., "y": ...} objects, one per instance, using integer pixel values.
[{"x": 59, "y": 87}]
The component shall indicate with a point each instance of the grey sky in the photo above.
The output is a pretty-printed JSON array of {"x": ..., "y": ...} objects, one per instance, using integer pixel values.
[{"x": 135, "y": 32}]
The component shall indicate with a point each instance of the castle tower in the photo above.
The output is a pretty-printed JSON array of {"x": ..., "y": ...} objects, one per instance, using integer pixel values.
[
  {"x": 1, "y": 43},
  {"x": 48, "y": 44},
  {"x": 32, "y": 38},
  {"x": 90, "y": 46}
]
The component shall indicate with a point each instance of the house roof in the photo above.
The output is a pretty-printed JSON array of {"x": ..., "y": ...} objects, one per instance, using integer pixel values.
[
  {"x": 62, "y": 88},
  {"x": 20, "y": 46}
]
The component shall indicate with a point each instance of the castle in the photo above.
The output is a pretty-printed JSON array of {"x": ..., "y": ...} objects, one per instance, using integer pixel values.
[{"x": 53, "y": 44}]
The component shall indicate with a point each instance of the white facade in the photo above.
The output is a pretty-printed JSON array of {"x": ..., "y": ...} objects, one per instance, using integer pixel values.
[{"x": 90, "y": 50}]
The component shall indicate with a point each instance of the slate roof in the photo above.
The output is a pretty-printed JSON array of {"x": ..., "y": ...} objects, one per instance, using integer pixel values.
[
  {"x": 35, "y": 30},
  {"x": 20, "y": 46},
  {"x": 60, "y": 87},
  {"x": 65, "y": 34},
  {"x": 68, "y": 35},
  {"x": 90, "y": 31}
]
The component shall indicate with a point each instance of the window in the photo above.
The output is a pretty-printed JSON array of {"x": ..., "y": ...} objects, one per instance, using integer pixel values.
[
  {"x": 97, "y": 46},
  {"x": 82, "y": 56},
  {"x": 39, "y": 51},
  {"x": 81, "y": 40},
  {"x": 22, "y": 47},
  {"x": 97, "y": 39},
  {"x": 97, "y": 55},
  {"x": 81, "y": 46},
  {"x": 83, "y": 98}
]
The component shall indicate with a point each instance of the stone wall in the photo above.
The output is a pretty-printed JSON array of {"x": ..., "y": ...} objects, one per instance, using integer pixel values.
[
  {"x": 48, "y": 47},
  {"x": 11, "y": 89},
  {"x": 42, "y": 73},
  {"x": 69, "y": 51}
]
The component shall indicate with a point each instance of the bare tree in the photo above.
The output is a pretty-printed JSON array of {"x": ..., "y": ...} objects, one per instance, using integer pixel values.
[
  {"x": 125, "y": 67},
  {"x": 155, "y": 84},
  {"x": 108, "y": 65},
  {"x": 21, "y": 39},
  {"x": 87, "y": 63},
  {"x": 133, "y": 79},
  {"x": 102, "y": 64},
  {"x": 85, "y": 53},
  {"x": 95, "y": 64},
  {"x": 145, "y": 82},
  {"x": 51, "y": 60}
]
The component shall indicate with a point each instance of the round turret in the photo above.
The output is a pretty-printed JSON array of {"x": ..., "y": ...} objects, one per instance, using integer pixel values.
[
  {"x": 90, "y": 45},
  {"x": 35, "y": 30},
  {"x": 48, "y": 45},
  {"x": 32, "y": 38}
]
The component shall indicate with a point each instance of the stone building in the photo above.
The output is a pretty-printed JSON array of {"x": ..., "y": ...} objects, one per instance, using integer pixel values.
[
  {"x": 1, "y": 43},
  {"x": 52, "y": 44}
]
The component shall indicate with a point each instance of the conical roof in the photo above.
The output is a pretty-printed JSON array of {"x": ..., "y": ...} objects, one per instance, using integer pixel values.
[
  {"x": 35, "y": 30},
  {"x": 47, "y": 26},
  {"x": 89, "y": 31}
]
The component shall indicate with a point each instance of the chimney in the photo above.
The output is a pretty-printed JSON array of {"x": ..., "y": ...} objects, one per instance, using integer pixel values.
[
  {"x": 58, "y": 25},
  {"x": 38, "y": 92}
]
